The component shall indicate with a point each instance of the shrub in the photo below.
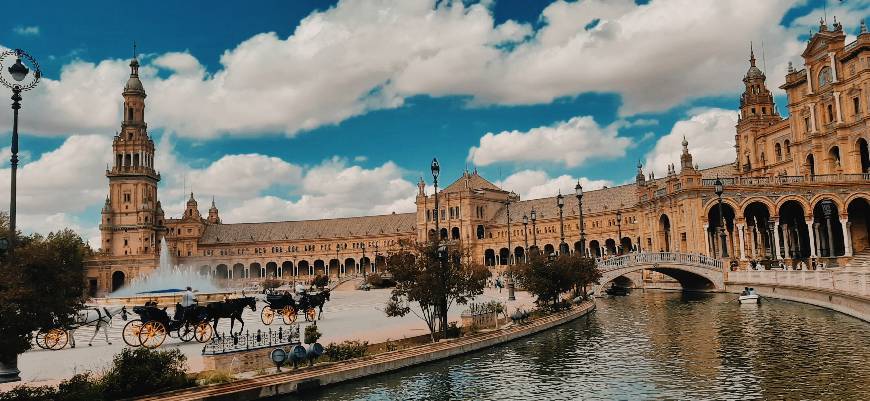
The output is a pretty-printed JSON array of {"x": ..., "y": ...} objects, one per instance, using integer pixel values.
[
  {"x": 376, "y": 280},
  {"x": 214, "y": 377},
  {"x": 312, "y": 334},
  {"x": 453, "y": 330},
  {"x": 346, "y": 350},
  {"x": 143, "y": 371},
  {"x": 80, "y": 387},
  {"x": 27, "y": 393},
  {"x": 320, "y": 281}
]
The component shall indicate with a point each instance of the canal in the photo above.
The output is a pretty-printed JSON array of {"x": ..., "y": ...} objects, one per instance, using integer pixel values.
[{"x": 653, "y": 345}]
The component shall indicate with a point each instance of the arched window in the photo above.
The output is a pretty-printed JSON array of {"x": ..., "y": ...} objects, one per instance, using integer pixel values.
[
  {"x": 825, "y": 76},
  {"x": 787, "y": 148},
  {"x": 778, "y": 150},
  {"x": 129, "y": 114}
]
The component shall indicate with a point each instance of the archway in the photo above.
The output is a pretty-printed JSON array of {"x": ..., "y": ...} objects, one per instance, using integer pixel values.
[
  {"x": 287, "y": 269},
  {"x": 380, "y": 264},
  {"x": 519, "y": 254},
  {"x": 864, "y": 155},
  {"x": 444, "y": 233},
  {"x": 625, "y": 245},
  {"x": 834, "y": 160},
  {"x": 549, "y": 249},
  {"x": 271, "y": 270},
  {"x": 577, "y": 247},
  {"x": 222, "y": 271},
  {"x": 365, "y": 264},
  {"x": 610, "y": 244},
  {"x": 859, "y": 219},
  {"x": 350, "y": 263},
  {"x": 303, "y": 268},
  {"x": 118, "y": 280},
  {"x": 664, "y": 233},
  {"x": 480, "y": 232},
  {"x": 454, "y": 233},
  {"x": 204, "y": 270},
  {"x": 794, "y": 235},
  {"x": 255, "y": 270},
  {"x": 238, "y": 271},
  {"x": 623, "y": 281},
  {"x": 334, "y": 267},
  {"x": 827, "y": 224},
  {"x": 431, "y": 234},
  {"x": 489, "y": 257},
  {"x": 319, "y": 267},
  {"x": 757, "y": 241},
  {"x": 811, "y": 164},
  {"x": 716, "y": 229},
  {"x": 504, "y": 256},
  {"x": 594, "y": 249}
]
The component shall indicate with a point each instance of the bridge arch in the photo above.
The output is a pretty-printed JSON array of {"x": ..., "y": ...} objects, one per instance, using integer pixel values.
[{"x": 693, "y": 271}]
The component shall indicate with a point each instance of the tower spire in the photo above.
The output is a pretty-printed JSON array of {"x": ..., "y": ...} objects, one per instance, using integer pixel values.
[{"x": 751, "y": 55}]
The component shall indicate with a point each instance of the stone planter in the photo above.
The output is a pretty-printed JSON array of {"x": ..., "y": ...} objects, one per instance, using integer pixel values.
[{"x": 9, "y": 369}]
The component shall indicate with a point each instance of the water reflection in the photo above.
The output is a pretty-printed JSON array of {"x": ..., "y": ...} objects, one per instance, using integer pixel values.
[{"x": 654, "y": 346}]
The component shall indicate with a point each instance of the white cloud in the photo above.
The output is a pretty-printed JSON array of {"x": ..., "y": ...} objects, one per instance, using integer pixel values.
[
  {"x": 534, "y": 184},
  {"x": 363, "y": 55},
  {"x": 569, "y": 142},
  {"x": 710, "y": 133},
  {"x": 26, "y": 30}
]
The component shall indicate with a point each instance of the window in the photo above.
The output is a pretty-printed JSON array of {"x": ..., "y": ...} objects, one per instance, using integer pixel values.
[
  {"x": 125, "y": 242},
  {"x": 778, "y": 150},
  {"x": 807, "y": 124},
  {"x": 428, "y": 215},
  {"x": 753, "y": 110},
  {"x": 787, "y": 148},
  {"x": 825, "y": 77},
  {"x": 127, "y": 197},
  {"x": 764, "y": 110},
  {"x": 856, "y": 105},
  {"x": 129, "y": 113}
]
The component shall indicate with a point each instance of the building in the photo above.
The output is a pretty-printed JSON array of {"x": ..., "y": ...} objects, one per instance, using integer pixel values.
[{"x": 797, "y": 191}]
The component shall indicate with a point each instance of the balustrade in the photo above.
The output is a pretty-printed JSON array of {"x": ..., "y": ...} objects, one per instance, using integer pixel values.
[{"x": 660, "y": 257}]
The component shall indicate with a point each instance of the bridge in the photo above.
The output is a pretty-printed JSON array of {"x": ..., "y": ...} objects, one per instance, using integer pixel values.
[{"x": 693, "y": 271}]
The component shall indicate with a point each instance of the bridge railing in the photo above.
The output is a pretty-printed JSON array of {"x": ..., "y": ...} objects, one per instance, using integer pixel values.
[{"x": 634, "y": 259}]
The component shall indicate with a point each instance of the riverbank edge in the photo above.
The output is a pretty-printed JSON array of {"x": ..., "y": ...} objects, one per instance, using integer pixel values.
[
  {"x": 328, "y": 374},
  {"x": 853, "y": 305}
]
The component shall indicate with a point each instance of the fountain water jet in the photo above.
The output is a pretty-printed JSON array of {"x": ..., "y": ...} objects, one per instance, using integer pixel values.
[{"x": 167, "y": 278}]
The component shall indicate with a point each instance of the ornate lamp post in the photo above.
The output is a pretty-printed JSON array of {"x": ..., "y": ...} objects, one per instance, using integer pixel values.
[
  {"x": 19, "y": 73},
  {"x": 619, "y": 230},
  {"x": 510, "y": 278},
  {"x": 563, "y": 247},
  {"x": 578, "y": 191},
  {"x": 442, "y": 250},
  {"x": 534, "y": 230},
  {"x": 361, "y": 265},
  {"x": 436, "y": 170},
  {"x": 525, "y": 237},
  {"x": 719, "y": 189}
]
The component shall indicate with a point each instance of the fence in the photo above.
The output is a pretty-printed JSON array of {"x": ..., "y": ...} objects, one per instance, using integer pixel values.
[{"x": 222, "y": 344}]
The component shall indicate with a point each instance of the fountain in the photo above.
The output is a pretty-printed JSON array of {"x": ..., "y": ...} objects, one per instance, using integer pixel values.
[{"x": 167, "y": 279}]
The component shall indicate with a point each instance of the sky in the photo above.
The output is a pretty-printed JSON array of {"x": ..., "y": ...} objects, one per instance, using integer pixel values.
[{"x": 289, "y": 110}]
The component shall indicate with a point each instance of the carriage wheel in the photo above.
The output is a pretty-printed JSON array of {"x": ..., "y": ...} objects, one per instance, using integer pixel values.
[
  {"x": 310, "y": 314},
  {"x": 131, "y": 333},
  {"x": 153, "y": 334},
  {"x": 40, "y": 338},
  {"x": 186, "y": 332},
  {"x": 203, "y": 332},
  {"x": 289, "y": 315},
  {"x": 267, "y": 315},
  {"x": 56, "y": 339}
]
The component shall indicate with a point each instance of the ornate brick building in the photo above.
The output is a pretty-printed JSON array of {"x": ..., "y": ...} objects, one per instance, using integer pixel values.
[{"x": 798, "y": 190}]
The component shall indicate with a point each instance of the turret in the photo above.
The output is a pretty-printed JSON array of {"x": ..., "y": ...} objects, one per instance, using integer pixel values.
[
  {"x": 192, "y": 211},
  {"x": 213, "y": 216}
]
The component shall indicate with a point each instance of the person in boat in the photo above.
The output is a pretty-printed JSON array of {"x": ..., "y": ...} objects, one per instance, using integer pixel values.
[{"x": 745, "y": 291}]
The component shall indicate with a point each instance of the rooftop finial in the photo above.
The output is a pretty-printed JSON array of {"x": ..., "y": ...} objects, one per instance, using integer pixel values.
[
  {"x": 751, "y": 55},
  {"x": 863, "y": 27},
  {"x": 135, "y": 55}
]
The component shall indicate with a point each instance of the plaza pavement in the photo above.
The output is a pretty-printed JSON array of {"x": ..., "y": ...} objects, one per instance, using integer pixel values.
[{"x": 350, "y": 314}]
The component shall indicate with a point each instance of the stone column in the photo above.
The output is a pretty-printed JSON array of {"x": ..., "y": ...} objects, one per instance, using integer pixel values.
[
  {"x": 752, "y": 245},
  {"x": 814, "y": 239},
  {"x": 742, "y": 241},
  {"x": 776, "y": 239},
  {"x": 707, "y": 237},
  {"x": 847, "y": 237},
  {"x": 837, "y": 107},
  {"x": 786, "y": 242},
  {"x": 830, "y": 231},
  {"x": 809, "y": 80},
  {"x": 812, "y": 116},
  {"x": 833, "y": 67}
]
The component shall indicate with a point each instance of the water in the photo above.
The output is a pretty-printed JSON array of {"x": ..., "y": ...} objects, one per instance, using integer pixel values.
[
  {"x": 653, "y": 345},
  {"x": 167, "y": 278}
]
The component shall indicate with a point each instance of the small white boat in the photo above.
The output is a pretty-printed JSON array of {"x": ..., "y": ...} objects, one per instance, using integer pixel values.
[{"x": 750, "y": 299}]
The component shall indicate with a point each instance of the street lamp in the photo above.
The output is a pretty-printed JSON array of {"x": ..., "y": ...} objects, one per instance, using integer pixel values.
[
  {"x": 525, "y": 237},
  {"x": 19, "y": 73},
  {"x": 719, "y": 188},
  {"x": 361, "y": 261},
  {"x": 578, "y": 191},
  {"x": 436, "y": 170},
  {"x": 619, "y": 229},
  {"x": 534, "y": 231},
  {"x": 510, "y": 283},
  {"x": 563, "y": 247}
]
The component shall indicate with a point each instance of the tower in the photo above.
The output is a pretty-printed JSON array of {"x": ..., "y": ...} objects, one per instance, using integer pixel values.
[
  {"x": 757, "y": 111},
  {"x": 213, "y": 216},
  {"x": 131, "y": 217}
]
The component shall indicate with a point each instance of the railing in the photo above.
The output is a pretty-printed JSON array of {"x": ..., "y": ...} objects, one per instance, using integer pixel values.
[
  {"x": 634, "y": 259},
  {"x": 241, "y": 342},
  {"x": 848, "y": 282},
  {"x": 788, "y": 179}
]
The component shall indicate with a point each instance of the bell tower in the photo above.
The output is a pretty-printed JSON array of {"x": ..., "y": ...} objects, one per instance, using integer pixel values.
[
  {"x": 757, "y": 111},
  {"x": 131, "y": 217}
]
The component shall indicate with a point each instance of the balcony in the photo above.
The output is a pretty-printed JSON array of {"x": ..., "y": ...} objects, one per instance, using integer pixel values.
[{"x": 787, "y": 179}]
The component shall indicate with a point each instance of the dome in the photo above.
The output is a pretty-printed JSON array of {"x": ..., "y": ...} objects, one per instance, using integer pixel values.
[
  {"x": 134, "y": 84},
  {"x": 754, "y": 72}
]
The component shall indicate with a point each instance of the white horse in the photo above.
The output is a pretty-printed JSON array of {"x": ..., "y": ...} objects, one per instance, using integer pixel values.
[{"x": 99, "y": 317}]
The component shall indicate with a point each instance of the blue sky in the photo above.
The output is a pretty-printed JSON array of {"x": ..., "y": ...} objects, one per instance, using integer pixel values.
[{"x": 303, "y": 109}]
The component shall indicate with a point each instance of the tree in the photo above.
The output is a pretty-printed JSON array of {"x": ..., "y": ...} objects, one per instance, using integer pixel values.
[
  {"x": 43, "y": 286},
  {"x": 586, "y": 273},
  {"x": 547, "y": 278},
  {"x": 434, "y": 277}
]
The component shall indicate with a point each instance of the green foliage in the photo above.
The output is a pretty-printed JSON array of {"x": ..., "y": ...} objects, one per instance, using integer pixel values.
[
  {"x": 320, "y": 281},
  {"x": 133, "y": 373},
  {"x": 548, "y": 278},
  {"x": 433, "y": 281},
  {"x": 346, "y": 350},
  {"x": 143, "y": 371},
  {"x": 378, "y": 281},
  {"x": 312, "y": 334},
  {"x": 214, "y": 377},
  {"x": 42, "y": 287},
  {"x": 453, "y": 330}
]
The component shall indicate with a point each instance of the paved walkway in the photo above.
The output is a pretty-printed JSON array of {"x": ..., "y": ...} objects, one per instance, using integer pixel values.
[{"x": 350, "y": 314}]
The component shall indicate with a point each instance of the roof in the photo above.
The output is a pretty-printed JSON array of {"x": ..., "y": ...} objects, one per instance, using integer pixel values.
[
  {"x": 725, "y": 170},
  {"x": 474, "y": 181},
  {"x": 623, "y": 196},
  {"x": 403, "y": 223}
]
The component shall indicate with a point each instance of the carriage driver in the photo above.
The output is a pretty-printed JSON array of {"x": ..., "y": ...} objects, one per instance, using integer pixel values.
[{"x": 187, "y": 300}]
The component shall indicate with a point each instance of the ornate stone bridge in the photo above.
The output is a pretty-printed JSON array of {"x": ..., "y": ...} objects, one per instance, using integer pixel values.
[{"x": 693, "y": 271}]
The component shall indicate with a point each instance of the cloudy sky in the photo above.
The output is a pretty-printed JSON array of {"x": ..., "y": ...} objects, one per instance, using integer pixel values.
[{"x": 312, "y": 108}]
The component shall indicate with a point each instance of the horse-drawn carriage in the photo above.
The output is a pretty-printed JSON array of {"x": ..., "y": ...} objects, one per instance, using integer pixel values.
[
  {"x": 57, "y": 336},
  {"x": 286, "y": 306},
  {"x": 154, "y": 324}
]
